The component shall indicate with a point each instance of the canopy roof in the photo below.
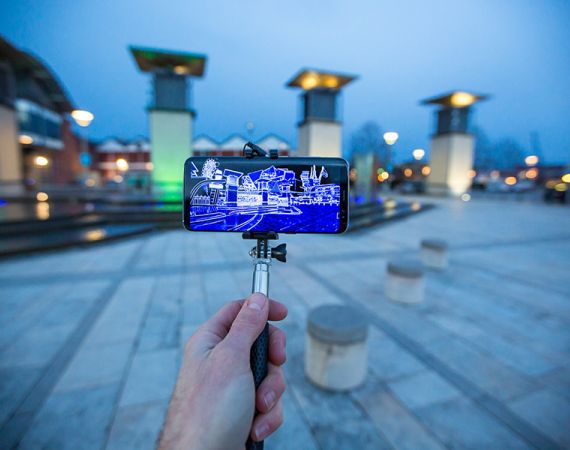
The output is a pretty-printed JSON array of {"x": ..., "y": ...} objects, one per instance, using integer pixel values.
[
  {"x": 455, "y": 99},
  {"x": 21, "y": 61},
  {"x": 312, "y": 78},
  {"x": 180, "y": 63}
]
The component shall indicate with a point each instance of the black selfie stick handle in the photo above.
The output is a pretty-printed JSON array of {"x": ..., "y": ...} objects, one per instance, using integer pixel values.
[{"x": 258, "y": 361}]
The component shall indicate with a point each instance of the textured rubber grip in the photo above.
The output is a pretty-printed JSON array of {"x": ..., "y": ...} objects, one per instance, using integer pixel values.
[{"x": 258, "y": 361}]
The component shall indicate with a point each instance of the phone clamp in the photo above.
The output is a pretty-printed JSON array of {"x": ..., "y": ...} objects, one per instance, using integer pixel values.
[{"x": 251, "y": 150}]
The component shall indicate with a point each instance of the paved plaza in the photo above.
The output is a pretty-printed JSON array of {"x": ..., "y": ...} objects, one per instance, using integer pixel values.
[{"x": 91, "y": 338}]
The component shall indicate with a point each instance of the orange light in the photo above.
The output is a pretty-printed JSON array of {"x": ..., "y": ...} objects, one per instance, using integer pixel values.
[
  {"x": 24, "y": 139},
  {"x": 408, "y": 172},
  {"x": 472, "y": 173},
  {"x": 510, "y": 181},
  {"x": 42, "y": 197},
  {"x": 462, "y": 99},
  {"x": 149, "y": 166},
  {"x": 426, "y": 170},
  {"x": 531, "y": 174}
]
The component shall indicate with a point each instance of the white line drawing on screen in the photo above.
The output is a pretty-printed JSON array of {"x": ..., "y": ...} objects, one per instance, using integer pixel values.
[{"x": 219, "y": 193}]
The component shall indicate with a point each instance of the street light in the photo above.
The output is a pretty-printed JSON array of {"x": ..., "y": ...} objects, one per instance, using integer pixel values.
[
  {"x": 531, "y": 160},
  {"x": 82, "y": 118},
  {"x": 41, "y": 161},
  {"x": 390, "y": 137},
  {"x": 418, "y": 153},
  {"x": 122, "y": 164}
]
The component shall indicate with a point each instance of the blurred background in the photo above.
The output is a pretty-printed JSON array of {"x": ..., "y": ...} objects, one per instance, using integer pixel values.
[{"x": 453, "y": 116}]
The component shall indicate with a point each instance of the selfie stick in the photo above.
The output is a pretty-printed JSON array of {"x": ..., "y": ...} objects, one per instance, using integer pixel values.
[{"x": 261, "y": 256}]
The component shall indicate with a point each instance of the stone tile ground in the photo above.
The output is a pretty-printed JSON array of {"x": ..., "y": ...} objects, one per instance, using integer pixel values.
[{"x": 91, "y": 339}]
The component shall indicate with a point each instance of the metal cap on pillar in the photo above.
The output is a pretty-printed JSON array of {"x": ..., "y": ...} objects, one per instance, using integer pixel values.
[
  {"x": 320, "y": 124},
  {"x": 451, "y": 156},
  {"x": 170, "y": 113}
]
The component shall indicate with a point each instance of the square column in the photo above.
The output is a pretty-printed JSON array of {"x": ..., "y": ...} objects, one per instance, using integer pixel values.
[
  {"x": 451, "y": 156},
  {"x": 320, "y": 127},
  {"x": 451, "y": 159}
]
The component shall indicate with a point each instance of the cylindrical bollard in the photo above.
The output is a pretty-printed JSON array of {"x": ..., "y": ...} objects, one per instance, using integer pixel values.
[
  {"x": 335, "y": 348},
  {"x": 404, "y": 282},
  {"x": 434, "y": 253}
]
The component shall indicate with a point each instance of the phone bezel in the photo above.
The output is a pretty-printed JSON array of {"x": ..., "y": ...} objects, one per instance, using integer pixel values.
[{"x": 344, "y": 186}]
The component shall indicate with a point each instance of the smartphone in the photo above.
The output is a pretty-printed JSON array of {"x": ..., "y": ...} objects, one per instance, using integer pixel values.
[{"x": 284, "y": 195}]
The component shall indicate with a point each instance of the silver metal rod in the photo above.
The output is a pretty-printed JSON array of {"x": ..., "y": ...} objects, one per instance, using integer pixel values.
[{"x": 261, "y": 278}]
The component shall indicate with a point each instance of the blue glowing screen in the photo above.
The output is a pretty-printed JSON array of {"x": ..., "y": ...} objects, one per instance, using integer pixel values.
[{"x": 297, "y": 199}]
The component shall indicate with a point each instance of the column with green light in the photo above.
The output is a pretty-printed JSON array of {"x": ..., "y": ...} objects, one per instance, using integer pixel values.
[{"x": 170, "y": 115}]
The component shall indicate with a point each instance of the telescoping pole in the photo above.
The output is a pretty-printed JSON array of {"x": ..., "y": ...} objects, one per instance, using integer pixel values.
[{"x": 259, "y": 350}]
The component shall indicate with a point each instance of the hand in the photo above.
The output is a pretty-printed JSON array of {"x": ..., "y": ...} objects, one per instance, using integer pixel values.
[{"x": 214, "y": 400}]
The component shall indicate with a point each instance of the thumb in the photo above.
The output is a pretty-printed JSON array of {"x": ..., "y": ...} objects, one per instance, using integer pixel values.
[{"x": 249, "y": 323}]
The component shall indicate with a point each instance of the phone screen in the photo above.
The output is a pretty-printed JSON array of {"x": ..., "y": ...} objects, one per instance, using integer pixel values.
[{"x": 285, "y": 195}]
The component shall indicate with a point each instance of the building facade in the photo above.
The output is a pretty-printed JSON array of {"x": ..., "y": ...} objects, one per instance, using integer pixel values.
[{"x": 38, "y": 145}]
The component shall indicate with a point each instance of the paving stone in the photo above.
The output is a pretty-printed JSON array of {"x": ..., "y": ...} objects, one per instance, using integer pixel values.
[
  {"x": 295, "y": 431},
  {"x": 423, "y": 389},
  {"x": 325, "y": 411},
  {"x": 151, "y": 377},
  {"x": 15, "y": 382},
  {"x": 461, "y": 424},
  {"x": 73, "y": 420},
  {"x": 96, "y": 365},
  {"x": 137, "y": 427},
  {"x": 485, "y": 372},
  {"x": 546, "y": 411},
  {"x": 388, "y": 360},
  {"x": 35, "y": 348},
  {"x": 400, "y": 427}
]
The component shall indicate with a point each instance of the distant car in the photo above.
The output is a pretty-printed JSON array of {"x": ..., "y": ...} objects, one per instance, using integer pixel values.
[{"x": 555, "y": 190}]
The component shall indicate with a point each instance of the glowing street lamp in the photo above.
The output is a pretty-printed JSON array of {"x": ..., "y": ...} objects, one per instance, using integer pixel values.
[
  {"x": 531, "y": 160},
  {"x": 82, "y": 118},
  {"x": 24, "y": 139},
  {"x": 418, "y": 153},
  {"x": 390, "y": 137},
  {"x": 122, "y": 164},
  {"x": 41, "y": 161}
]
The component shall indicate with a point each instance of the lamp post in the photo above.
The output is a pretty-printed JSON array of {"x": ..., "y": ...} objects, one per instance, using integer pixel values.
[
  {"x": 390, "y": 137},
  {"x": 83, "y": 118},
  {"x": 418, "y": 154}
]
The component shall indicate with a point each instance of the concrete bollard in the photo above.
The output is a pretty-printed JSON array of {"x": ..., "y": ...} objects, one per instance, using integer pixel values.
[
  {"x": 404, "y": 282},
  {"x": 434, "y": 253},
  {"x": 336, "y": 353}
]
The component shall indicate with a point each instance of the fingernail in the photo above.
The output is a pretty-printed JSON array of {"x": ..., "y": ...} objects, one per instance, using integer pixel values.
[
  {"x": 269, "y": 399},
  {"x": 261, "y": 431},
  {"x": 256, "y": 301}
]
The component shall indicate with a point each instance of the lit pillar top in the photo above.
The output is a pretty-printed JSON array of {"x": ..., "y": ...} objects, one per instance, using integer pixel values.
[
  {"x": 166, "y": 61},
  {"x": 170, "y": 71},
  {"x": 453, "y": 111},
  {"x": 320, "y": 90},
  {"x": 308, "y": 79}
]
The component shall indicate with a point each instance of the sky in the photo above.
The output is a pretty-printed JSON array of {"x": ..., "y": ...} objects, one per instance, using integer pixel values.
[{"x": 517, "y": 51}]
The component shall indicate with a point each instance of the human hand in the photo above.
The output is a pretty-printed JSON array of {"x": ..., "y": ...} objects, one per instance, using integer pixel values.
[{"x": 214, "y": 400}]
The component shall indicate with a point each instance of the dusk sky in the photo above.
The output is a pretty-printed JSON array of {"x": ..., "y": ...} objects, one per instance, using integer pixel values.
[{"x": 518, "y": 51}]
